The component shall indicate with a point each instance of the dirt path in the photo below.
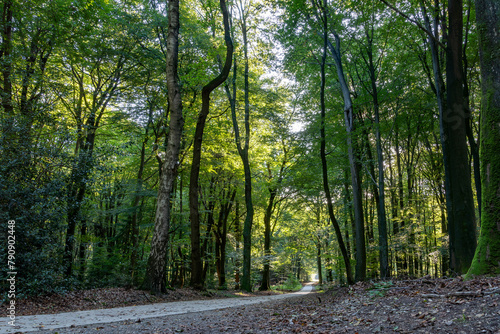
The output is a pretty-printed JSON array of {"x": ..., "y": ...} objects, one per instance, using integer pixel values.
[{"x": 134, "y": 314}]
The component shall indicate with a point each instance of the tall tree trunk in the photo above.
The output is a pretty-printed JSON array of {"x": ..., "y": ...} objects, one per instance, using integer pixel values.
[
  {"x": 324, "y": 166},
  {"x": 382, "y": 223},
  {"x": 350, "y": 128},
  {"x": 196, "y": 260},
  {"x": 459, "y": 198},
  {"x": 355, "y": 176},
  {"x": 155, "y": 272},
  {"x": 487, "y": 257},
  {"x": 246, "y": 283}
]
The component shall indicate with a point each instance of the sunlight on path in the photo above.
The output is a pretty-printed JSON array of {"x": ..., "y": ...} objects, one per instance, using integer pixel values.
[{"x": 53, "y": 321}]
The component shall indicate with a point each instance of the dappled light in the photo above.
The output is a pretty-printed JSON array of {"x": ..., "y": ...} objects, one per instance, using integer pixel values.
[{"x": 329, "y": 157}]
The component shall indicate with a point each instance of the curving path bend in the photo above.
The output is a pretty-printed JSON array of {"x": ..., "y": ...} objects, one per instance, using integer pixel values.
[{"x": 31, "y": 323}]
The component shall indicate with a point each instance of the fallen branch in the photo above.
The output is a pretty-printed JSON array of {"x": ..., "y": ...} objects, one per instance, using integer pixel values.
[{"x": 462, "y": 294}]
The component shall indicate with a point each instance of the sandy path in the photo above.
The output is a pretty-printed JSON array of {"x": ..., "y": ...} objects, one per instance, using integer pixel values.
[{"x": 133, "y": 313}]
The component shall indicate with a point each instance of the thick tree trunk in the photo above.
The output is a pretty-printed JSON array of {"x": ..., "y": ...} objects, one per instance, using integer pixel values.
[
  {"x": 487, "y": 256},
  {"x": 196, "y": 260},
  {"x": 459, "y": 198},
  {"x": 155, "y": 272}
]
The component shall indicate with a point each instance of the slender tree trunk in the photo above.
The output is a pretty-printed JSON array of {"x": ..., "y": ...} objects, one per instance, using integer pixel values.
[
  {"x": 355, "y": 176},
  {"x": 324, "y": 166},
  {"x": 196, "y": 260},
  {"x": 246, "y": 284},
  {"x": 155, "y": 272},
  {"x": 382, "y": 222},
  {"x": 487, "y": 257}
]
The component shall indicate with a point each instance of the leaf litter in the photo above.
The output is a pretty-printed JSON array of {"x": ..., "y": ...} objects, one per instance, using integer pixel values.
[{"x": 422, "y": 305}]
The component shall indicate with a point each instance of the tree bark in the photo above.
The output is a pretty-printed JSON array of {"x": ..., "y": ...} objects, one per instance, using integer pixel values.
[
  {"x": 487, "y": 256},
  {"x": 155, "y": 273},
  {"x": 459, "y": 198},
  {"x": 196, "y": 261}
]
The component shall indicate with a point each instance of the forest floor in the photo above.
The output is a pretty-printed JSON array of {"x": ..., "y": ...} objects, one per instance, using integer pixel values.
[{"x": 400, "y": 306}]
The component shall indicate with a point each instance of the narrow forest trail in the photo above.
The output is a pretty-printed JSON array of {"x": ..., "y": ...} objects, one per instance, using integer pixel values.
[{"x": 33, "y": 323}]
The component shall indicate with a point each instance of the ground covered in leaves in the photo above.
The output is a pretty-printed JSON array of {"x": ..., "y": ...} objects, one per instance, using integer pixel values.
[
  {"x": 103, "y": 298},
  {"x": 407, "y": 306}
]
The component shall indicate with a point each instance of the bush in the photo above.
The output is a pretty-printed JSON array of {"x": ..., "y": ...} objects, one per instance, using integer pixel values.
[{"x": 291, "y": 284}]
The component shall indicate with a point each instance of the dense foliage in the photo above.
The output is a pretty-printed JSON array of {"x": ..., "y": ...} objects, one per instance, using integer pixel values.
[{"x": 85, "y": 120}]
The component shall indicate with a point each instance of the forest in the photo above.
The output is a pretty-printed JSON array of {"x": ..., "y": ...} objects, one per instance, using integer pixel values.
[{"x": 242, "y": 144}]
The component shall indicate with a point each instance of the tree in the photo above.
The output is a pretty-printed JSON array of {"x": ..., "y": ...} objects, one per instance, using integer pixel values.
[
  {"x": 326, "y": 186},
  {"x": 350, "y": 128},
  {"x": 243, "y": 149},
  {"x": 459, "y": 198},
  {"x": 196, "y": 264},
  {"x": 487, "y": 257},
  {"x": 155, "y": 273}
]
